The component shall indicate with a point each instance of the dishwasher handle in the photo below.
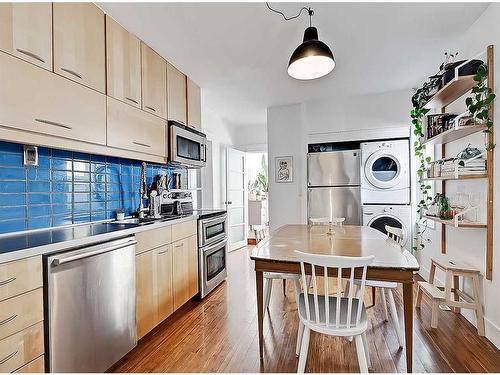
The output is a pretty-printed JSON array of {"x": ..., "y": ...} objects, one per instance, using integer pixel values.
[{"x": 59, "y": 261}]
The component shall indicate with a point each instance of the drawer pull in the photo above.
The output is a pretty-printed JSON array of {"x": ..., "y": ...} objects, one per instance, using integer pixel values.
[
  {"x": 30, "y": 54},
  {"x": 150, "y": 108},
  {"x": 9, "y": 319},
  {"x": 72, "y": 72},
  {"x": 132, "y": 100},
  {"x": 53, "y": 123},
  {"x": 162, "y": 252},
  {"x": 141, "y": 144},
  {"x": 8, "y": 281},
  {"x": 2, "y": 361},
  {"x": 179, "y": 244}
]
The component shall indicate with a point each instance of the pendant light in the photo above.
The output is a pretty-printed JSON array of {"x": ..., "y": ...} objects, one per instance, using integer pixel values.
[{"x": 313, "y": 58}]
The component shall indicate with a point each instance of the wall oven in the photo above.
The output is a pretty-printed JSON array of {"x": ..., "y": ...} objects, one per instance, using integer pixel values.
[
  {"x": 212, "y": 242},
  {"x": 187, "y": 146}
]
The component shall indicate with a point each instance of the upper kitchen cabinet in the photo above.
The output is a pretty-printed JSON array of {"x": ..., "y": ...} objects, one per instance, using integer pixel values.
[
  {"x": 176, "y": 94},
  {"x": 79, "y": 44},
  {"x": 154, "y": 82},
  {"x": 26, "y": 32},
  {"x": 193, "y": 104},
  {"x": 123, "y": 55}
]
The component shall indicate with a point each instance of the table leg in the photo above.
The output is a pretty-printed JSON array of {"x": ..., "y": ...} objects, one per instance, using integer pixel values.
[
  {"x": 259, "y": 283},
  {"x": 408, "y": 314}
]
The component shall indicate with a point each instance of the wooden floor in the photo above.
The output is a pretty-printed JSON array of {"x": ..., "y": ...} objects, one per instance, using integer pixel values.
[{"x": 219, "y": 334}]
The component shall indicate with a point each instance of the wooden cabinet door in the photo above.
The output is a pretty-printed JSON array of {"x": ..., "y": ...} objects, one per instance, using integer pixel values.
[
  {"x": 180, "y": 273},
  {"x": 123, "y": 61},
  {"x": 130, "y": 128},
  {"x": 193, "y": 104},
  {"x": 21, "y": 348},
  {"x": 79, "y": 44},
  {"x": 26, "y": 32},
  {"x": 154, "y": 82},
  {"x": 164, "y": 282},
  {"x": 176, "y": 94},
  {"x": 146, "y": 293},
  {"x": 192, "y": 248},
  {"x": 39, "y": 101}
]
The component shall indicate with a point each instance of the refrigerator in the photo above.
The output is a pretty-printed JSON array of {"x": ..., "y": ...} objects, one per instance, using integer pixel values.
[{"x": 333, "y": 185}]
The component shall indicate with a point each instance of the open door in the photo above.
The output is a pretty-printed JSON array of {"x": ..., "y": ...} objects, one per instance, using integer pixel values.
[{"x": 236, "y": 199}]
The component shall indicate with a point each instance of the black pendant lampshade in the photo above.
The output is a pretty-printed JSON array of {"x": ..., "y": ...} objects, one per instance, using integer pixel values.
[{"x": 312, "y": 59}]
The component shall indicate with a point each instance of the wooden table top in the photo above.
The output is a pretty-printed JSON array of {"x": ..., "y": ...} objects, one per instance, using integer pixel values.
[{"x": 348, "y": 240}]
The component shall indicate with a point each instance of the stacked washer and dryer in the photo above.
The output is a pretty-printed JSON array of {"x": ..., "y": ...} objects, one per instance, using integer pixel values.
[{"x": 385, "y": 186}]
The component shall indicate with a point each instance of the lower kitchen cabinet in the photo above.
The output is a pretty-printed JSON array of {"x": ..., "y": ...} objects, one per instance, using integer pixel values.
[
  {"x": 164, "y": 282},
  {"x": 146, "y": 293},
  {"x": 185, "y": 270},
  {"x": 35, "y": 366},
  {"x": 21, "y": 348}
]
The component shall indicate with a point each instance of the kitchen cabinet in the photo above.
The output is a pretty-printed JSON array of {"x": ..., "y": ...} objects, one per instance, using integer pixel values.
[
  {"x": 79, "y": 44},
  {"x": 146, "y": 293},
  {"x": 20, "y": 312},
  {"x": 36, "y": 366},
  {"x": 164, "y": 282},
  {"x": 130, "y": 128},
  {"x": 193, "y": 104},
  {"x": 176, "y": 94},
  {"x": 154, "y": 82},
  {"x": 21, "y": 348},
  {"x": 185, "y": 270},
  {"x": 123, "y": 62},
  {"x": 26, "y": 32},
  {"x": 38, "y": 101},
  {"x": 20, "y": 276}
]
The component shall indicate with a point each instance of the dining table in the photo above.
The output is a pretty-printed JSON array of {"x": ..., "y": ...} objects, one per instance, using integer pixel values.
[{"x": 392, "y": 262}]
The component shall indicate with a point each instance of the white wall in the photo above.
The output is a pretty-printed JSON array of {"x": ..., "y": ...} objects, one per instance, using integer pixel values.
[
  {"x": 220, "y": 136},
  {"x": 251, "y": 138},
  {"x": 469, "y": 245}
]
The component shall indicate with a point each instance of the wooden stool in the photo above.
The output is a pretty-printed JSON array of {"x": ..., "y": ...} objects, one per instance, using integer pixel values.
[{"x": 444, "y": 295}]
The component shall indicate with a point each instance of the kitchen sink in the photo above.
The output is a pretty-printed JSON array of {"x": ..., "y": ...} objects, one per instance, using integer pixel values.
[{"x": 147, "y": 220}]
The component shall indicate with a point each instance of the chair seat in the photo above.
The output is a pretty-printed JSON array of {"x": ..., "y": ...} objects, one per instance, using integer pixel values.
[
  {"x": 378, "y": 284},
  {"x": 332, "y": 311},
  {"x": 281, "y": 276}
]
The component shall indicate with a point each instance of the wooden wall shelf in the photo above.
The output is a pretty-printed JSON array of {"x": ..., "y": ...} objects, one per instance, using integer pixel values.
[
  {"x": 461, "y": 224},
  {"x": 452, "y": 91},
  {"x": 452, "y": 178},
  {"x": 454, "y": 134}
]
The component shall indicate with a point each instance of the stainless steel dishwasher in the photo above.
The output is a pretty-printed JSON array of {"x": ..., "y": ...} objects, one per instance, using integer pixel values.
[{"x": 90, "y": 302}]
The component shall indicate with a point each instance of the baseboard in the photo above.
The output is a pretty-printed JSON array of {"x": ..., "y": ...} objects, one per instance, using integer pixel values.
[{"x": 492, "y": 331}]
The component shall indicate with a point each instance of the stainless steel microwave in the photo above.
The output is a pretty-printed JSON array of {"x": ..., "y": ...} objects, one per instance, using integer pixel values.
[{"x": 187, "y": 146}]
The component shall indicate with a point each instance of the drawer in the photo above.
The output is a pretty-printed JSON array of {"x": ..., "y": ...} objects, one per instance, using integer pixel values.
[
  {"x": 35, "y": 366},
  {"x": 42, "y": 102},
  {"x": 19, "y": 312},
  {"x": 184, "y": 230},
  {"x": 20, "y": 349},
  {"x": 152, "y": 239},
  {"x": 20, "y": 276},
  {"x": 130, "y": 128}
]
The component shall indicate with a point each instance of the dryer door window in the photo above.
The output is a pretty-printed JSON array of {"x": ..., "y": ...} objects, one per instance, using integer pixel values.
[
  {"x": 383, "y": 170},
  {"x": 381, "y": 221}
]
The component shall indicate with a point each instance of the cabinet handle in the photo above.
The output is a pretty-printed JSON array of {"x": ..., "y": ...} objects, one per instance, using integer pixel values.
[
  {"x": 30, "y": 54},
  {"x": 141, "y": 144},
  {"x": 53, "y": 123},
  {"x": 132, "y": 100},
  {"x": 9, "y": 319},
  {"x": 72, "y": 72},
  {"x": 150, "y": 108},
  {"x": 162, "y": 252},
  {"x": 8, "y": 281},
  {"x": 2, "y": 361},
  {"x": 179, "y": 244}
]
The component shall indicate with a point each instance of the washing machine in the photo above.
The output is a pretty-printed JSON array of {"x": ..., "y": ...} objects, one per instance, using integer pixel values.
[
  {"x": 378, "y": 216},
  {"x": 385, "y": 172}
]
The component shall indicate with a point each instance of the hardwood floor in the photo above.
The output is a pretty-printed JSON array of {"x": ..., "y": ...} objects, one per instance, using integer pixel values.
[{"x": 219, "y": 334}]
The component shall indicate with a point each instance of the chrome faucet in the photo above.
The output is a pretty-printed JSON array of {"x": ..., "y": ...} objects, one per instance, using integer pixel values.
[{"x": 142, "y": 192}]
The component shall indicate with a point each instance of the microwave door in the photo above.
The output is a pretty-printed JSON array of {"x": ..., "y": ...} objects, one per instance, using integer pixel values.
[{"x": 187, "y": 148}]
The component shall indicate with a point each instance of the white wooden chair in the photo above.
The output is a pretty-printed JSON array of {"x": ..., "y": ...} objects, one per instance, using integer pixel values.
[
  {"x": 385, "y": 287},
  {"x": 332, "y": 315}
]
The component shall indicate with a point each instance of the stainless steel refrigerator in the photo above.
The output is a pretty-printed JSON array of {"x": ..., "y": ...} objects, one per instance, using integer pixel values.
[{"x": 334, "y": 185}]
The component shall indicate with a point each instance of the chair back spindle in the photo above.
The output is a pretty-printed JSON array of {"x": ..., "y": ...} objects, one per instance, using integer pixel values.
[{"x": 394, "y": 233}]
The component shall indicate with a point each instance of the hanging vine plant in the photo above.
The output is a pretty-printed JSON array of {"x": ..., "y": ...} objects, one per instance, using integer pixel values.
[{"x": 479, "y": 103}]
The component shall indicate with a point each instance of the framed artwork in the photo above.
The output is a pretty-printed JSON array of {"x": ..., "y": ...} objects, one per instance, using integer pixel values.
[{"x": 283, "y": 169}]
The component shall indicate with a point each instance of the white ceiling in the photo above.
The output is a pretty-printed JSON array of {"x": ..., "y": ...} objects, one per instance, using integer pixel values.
[{"x": 238, "y": 52}]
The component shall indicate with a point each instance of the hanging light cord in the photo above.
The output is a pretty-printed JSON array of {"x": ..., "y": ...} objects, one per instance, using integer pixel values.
[{"x": 309, "y": 11}]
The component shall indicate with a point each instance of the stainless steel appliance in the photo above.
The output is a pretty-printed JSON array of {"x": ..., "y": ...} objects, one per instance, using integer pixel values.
[
  {"x": 90, "y": 306},
  {"x": 212, "y": 249},
  {"x": 334, "y": 185},
  {"x": 187, "y": 146}
]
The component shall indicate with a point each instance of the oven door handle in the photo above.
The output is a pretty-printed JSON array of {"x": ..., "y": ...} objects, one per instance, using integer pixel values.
[
  {"x": 220, "y": 218},
  {"x": 209, "y": 250}
]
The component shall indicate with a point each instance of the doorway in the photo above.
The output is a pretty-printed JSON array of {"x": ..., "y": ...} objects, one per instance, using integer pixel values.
[{"x": 258, "y": 188}]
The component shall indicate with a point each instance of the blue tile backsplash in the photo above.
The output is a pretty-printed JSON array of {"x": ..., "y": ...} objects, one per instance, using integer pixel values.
[{"x": 68, "y": 187}]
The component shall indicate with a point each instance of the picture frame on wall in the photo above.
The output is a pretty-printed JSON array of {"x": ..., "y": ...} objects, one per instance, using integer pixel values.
[{"x": 283, "y": 169}]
